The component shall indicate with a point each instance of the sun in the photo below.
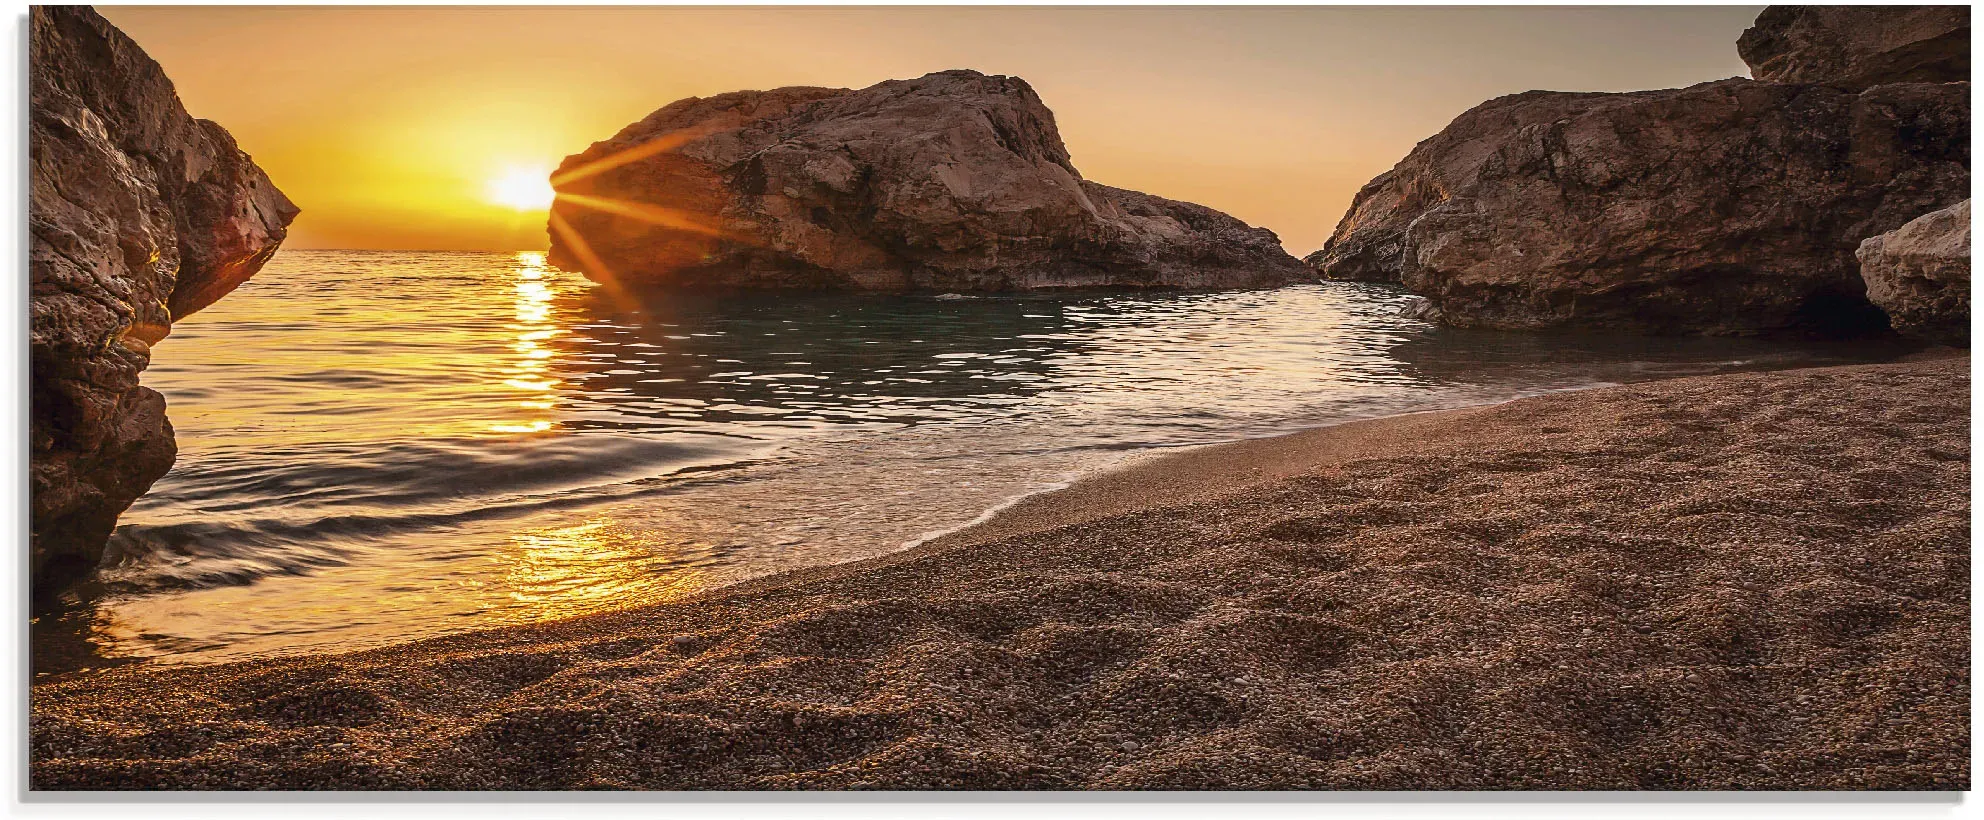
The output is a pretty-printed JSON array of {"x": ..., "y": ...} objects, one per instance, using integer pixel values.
[{"x": 525, "y": 189}]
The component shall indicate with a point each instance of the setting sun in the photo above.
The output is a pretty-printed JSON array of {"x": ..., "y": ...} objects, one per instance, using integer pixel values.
[{"x": 525, "y": 189}]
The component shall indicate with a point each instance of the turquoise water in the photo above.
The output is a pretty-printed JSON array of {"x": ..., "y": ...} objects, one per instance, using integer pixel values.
[{"x": 379, "y": 446}]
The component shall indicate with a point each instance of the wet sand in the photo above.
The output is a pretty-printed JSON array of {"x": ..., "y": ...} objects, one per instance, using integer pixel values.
[{"x": 1754, "y": 581}]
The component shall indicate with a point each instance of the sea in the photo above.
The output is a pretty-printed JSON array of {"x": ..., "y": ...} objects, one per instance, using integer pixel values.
[{"x": 382, "y": 446}]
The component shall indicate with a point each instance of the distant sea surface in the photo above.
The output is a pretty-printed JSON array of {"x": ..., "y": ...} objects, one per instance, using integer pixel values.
[{"x": 382, "y": 446}]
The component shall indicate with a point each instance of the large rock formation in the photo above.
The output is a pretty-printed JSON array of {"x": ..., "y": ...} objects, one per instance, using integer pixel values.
[
  {"x": 953, "y": 181},
  {"x": 1859, "y": 47},
  {"x": 1731, "y": 207},
  {"x": 138, "y": 215},
  {"x": 1919, "y": 274}
]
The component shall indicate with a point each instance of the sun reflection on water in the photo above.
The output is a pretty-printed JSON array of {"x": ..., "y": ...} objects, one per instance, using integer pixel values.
[
  {"x": 564, "y": 571},
  {"x": 527, "y": 372},
  {"x": 556, "y": 572}
]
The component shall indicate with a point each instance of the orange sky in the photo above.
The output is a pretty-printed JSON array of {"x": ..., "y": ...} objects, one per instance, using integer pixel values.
[{"x": 387, "y": 124}]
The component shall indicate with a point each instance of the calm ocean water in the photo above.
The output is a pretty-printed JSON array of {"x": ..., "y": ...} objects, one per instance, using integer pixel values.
[{"x": 380, "y": 446}]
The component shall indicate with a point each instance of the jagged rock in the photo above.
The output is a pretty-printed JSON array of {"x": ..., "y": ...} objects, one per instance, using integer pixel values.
[
  {"x": 138, "y": 215},
  {"x": 1730, "y": 207},
  {"x": 1366, "y": 249},
  {"x": 1859, "y": 47},
  {"x": 955, "y": 181},
  {"x": 1419, "y": 307},
  {"x": 1919, "y": 274}
]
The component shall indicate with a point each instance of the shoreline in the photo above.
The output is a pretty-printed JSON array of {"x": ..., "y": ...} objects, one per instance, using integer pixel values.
[
  {"x": 1088, "y": 494},
  {"x": 1154, "y": 476},
  {"x": 1094, "y": 488},
  {"x": 1133, "y": 483},
  {"x": 1754, "y": 580}
]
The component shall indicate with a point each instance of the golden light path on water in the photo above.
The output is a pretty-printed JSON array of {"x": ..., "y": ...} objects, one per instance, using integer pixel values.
[
  {"x": 539, "y": 567},
  {"x": 562, "y": 571},
  {"x": 534, "y": 330}
]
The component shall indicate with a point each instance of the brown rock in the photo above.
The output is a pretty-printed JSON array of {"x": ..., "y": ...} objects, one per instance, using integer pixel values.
[
  {"x": 138, "y": 215},
  {"x": 953, "y": 181},
  {"x": 1859, "y": 47},
  {"x": 1919, "y": 274},
  {"x": 1731, "y": 207}
]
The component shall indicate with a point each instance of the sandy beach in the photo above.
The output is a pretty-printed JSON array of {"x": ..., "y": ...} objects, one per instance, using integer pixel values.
[{"x": 1753, "y": 581}]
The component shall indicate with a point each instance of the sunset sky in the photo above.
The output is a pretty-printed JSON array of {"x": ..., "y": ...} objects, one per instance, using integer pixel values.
[{"x": 404, "y": 127}]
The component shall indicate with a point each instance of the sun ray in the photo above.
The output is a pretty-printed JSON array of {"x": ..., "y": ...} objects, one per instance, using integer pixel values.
[
  {"x": 652, "y": 214},
  {"x": 659, "y": 145},
  {"x": 594, "y": 266}
]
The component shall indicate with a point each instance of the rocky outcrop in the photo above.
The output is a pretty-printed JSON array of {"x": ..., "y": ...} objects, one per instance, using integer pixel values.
[
  {"x": 1731, "y": 207},
  {"x": 1920, "y": 275},
  {"x": 1369, "y": 240},
  {"x": 138, "y": 215},
  {"x": 954, "y": 181},
  {"x": 1859, "y": 47}
]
